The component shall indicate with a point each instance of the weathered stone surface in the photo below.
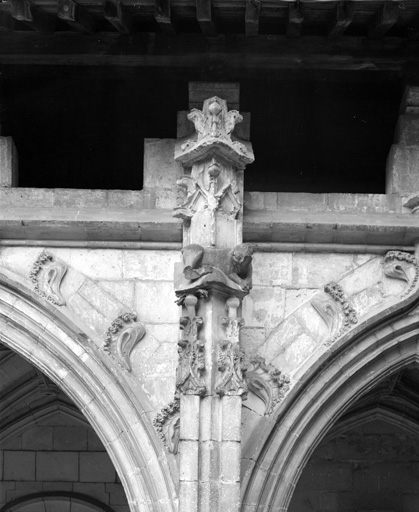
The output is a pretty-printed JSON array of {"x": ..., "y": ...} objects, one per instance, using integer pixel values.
[
  {"x": 57, "y": 466},
  {"x": 8, "y": 163},
  {"x": 272, "y": 269},
  {"x": 315, "y": 270},
  {"x": 19, "y": 466},
  {"x": 402, "y": 169},
  {"x": 155, "y": 302},
  {"x": 294, "y": 297},
  {"x": 150, "y": 265},
  {"x": 264, "y": 307}
]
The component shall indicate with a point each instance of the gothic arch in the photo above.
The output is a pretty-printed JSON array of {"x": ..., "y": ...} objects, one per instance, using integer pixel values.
[
  {"x": 47, "y": 500},
  {"x": 371, "y": 333},
  {"x": 45, "y": 337},
  {"x": 323, "y": 393}
]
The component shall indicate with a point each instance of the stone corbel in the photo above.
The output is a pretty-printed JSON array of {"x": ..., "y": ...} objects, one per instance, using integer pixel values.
[
  {"x": 231, "y": 358},
  {"x": 46, "y": 275},
  {"x": 122, "y": 336},
  {"x": 191, "y": 363}
]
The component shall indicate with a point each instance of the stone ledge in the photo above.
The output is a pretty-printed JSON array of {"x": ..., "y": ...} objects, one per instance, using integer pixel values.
[{"x": 157, "y": 225}]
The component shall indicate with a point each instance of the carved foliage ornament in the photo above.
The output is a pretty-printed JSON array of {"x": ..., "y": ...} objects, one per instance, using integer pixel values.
[
  {"x": 46, "y": 275},
  {"x": 396, "y": 264},
  {"x": 231, "y": 358},
  {"x": 191, "y": 363},
  {"x": 349, "y": 314},
  {"x": 266, "y": 382},
  {"x": 214, "y": 125},
  {"x": 122, "y": 336},
  {"x": 209, "y": 186},
  {"x": 167, "y": 425}
]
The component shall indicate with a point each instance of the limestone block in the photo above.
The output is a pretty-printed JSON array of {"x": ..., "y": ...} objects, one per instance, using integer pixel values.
[
  {"x": 123, "y": 291},
  {"x": 366, "y": 275},
  {"x": 19, "y": 465},
  {"x": 160, "y": 169},
  {"x": 272, "y": 269},
  {"x": 230, "y": 496},
  {"x": 96, "y": 467},
  {"x": 8, "y": 163},
  {"x": 403, "y": 169},
  {"x": 38, "y": 438},
  {"x": 188, "y": 496},
  {"x": 302, "y": 201},
  {"x": 296, "y": 353},
  {"x": 94, "y": 490},
  {"x": 93, "y": 263},
  {"x": 116, "y": 494},
  {"x": 95, "y": 322},
  {"x": 312, "y": 322},
  {"x": 188, "y": 454},
  {"x": 286, "y": 332},
  {"x": 315, "y": 270},
  {"x": 155, "y": 302},
  {"x": 264, "y": 307},
  {"x": 295, "y": 297},
  {"x": 70, "y": 438},
  {"x": 150, "y": 265},
  {"x": 67, "y": 198},
  {"x": 365, "y": 301},
  {"x": 94, "y": 444},
  {"x": 100, "y": 300},
  {"x": 251, "y": 338},
  {"x": 189, "y": 427},
  {"x": 230, "y": 461},
  {"x": 231, "y": 411},
  {"x": 57, "y": 466},
  {"x": 18, "y": 260}
]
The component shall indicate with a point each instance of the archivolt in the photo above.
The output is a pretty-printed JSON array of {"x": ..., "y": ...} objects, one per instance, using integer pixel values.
[
  {"x": 45, "y": 337},
  {"x": 328, "y": 388}
]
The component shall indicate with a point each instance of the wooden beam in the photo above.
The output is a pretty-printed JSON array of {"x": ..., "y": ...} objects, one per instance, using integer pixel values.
[
  {"x": 343, "y": 18},
  {"x": 204, "y": 17},
  {"x": 76, "y": 16},
  {"x": 117, "y": 14},
  {"x": 163, "y": 16},
  {"x": 252, "y": 17},
  {"x": 33, "y": 16},
  {"x": 295, "y": 21},
  {"x": 196, "y": 51},
  {"x": 384, "y": 19}
]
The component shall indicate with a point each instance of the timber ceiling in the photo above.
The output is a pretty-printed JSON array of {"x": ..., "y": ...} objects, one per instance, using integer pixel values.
[{"x": 292, "y": 18}]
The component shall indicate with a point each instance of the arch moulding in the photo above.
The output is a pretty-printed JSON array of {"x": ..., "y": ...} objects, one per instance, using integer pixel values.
[
  {"x": 45, "y": 337},
  {"x": 381, "y": 342}
]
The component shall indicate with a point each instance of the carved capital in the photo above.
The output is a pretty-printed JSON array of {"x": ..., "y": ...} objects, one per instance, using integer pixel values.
[
  {"x": 167, "y": 425},
  {"x": 214, "y": 125},
  {"x": 231, "y": 358},
  {"x": 46, "y": 275},
  {"x": 122, "y": 336},
  {"x": 191, "y": 363},
  {"x": 266, "y": 382}
]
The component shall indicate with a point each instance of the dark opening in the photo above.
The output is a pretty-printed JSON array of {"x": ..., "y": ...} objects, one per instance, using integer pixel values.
[{"x": 84, "y": 127}]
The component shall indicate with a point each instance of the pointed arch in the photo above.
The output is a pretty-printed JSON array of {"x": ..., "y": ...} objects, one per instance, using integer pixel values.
[
  {"x": 323, "y": 393},
  {"x": 45, "y": 337}
]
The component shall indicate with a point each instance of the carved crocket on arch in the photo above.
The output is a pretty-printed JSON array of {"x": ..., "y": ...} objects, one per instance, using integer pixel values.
[{"x": 374, "y": 333}]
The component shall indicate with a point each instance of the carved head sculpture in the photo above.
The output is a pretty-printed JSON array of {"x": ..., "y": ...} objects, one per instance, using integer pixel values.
[{"x": 242, "y": 258}]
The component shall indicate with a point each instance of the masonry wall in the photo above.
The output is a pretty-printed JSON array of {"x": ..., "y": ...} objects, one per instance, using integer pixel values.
[
  {"x": 59, "y": 455},
  {"x": 374, "y": 467}
]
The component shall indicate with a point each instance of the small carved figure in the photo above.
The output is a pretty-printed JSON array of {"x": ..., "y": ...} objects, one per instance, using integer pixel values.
[{"x": 241, "y": 266}]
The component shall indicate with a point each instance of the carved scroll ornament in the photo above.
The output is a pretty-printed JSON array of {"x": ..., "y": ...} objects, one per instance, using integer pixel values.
[
  {"x": 397, "y": 265},
  {"x": 167, "y": 425},
  {"x": 46, "y": 275},
  {"x": 349, "y": 314},
  {"x": 191, "y": 363},
  {"x": 122, "y": 336},
  {"x": 231, "y": 358},
  {"x": 266, "y": 382}
]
